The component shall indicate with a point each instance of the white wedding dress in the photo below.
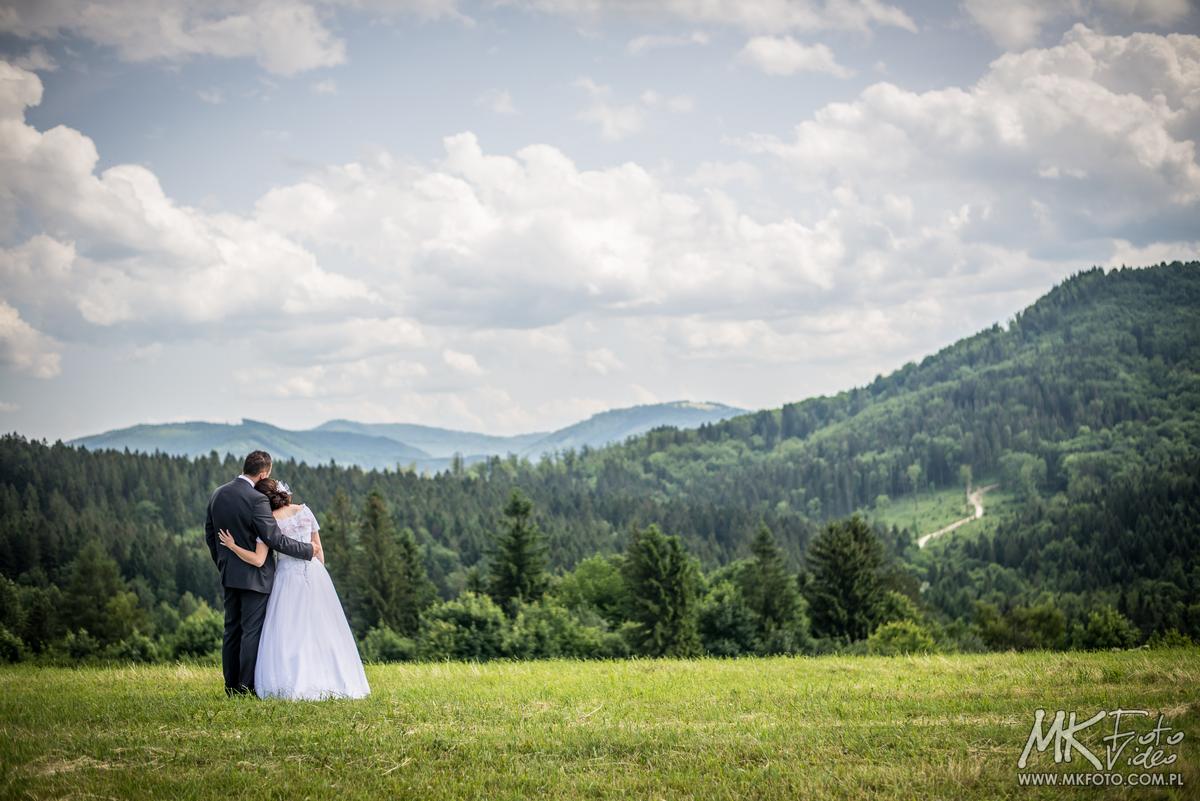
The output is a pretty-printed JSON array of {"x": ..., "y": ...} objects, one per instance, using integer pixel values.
[{"x": 307, "y": 650}]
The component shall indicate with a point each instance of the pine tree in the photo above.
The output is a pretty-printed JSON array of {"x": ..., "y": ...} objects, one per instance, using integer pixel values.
[
  {"x": 843, "y": 588},
  {"x": 663, "y": 583},
  {"x": 518, "y": 566}
]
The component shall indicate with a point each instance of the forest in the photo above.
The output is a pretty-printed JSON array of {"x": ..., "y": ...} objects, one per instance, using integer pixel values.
[{"x": 750, "y": 535}]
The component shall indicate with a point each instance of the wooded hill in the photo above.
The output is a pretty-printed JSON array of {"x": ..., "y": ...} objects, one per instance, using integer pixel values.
[{"x": 1085, "y": 405}]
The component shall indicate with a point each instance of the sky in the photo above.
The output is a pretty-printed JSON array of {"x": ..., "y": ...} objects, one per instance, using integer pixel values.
[{"x": 508, "y": 215}]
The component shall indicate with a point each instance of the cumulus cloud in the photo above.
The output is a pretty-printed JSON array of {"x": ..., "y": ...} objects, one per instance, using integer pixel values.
[
  {"x": 530, "y": 240},
  {"x": 1094, "y": 137},
  {"x": 124, "y": 252},
  {"x": 785, "y": 56},
  {"x": 1019, "y": 23},
  {"x": 24, "y": 348}
]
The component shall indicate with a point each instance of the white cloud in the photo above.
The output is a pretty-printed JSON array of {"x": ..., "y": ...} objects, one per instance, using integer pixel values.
[
  {"x": 463, "y": 362},
  {"x": 725, "y": 173},
  {"x": 645, "y": 43},
  {"x": 755, "y": 16},
  {"x": 1014, "y": 24},
  {"x": 616, "y": 121},
  {"x": 531, "y": 240},
  {"x": 498, "y": 100},
  {"x": 603, "y": 361},
  {"x": 7, "y": 407},
  {"x": 785, "y": 56},
  {"x": 1099, "y": 131},
  {"x": 175, "y": 263},
  {"x": 25, "y": 349}
]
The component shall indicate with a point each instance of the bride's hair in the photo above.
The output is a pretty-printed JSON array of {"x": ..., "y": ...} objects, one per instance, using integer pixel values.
[{"x": 278, "y": 493}]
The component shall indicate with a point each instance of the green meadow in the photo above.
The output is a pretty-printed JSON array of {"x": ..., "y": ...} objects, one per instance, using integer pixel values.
[
  {"x": 931, "y": 510},
  {"x": 931, "y": 726}
]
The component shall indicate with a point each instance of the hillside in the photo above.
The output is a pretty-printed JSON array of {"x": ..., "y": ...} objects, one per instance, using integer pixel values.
[
  {"x": 1085, "y": 408},
  {"x": 382, "y": 446}
]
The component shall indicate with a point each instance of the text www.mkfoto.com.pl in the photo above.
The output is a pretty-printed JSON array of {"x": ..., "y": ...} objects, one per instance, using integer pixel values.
[{"x": 1100, "y": 779}]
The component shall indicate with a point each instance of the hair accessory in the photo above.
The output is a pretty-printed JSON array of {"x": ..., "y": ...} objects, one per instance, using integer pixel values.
[{"x": 282, "y": 486}]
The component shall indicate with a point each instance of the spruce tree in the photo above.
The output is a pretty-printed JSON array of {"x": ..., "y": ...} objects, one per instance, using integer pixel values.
[
  {"x": 518, "y": 567},
  {"x": 416, "y": 591},
  {"x": 843, "y": 587},
  {"x": 393, "y": 587},
  {"x": 770, "y": 592},
  {"x": 663, "y": 582},
  {"x": 339, "y": 538}
]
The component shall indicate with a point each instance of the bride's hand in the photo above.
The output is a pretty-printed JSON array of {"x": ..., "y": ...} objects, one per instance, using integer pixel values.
[{"x": 226, "y": 539}]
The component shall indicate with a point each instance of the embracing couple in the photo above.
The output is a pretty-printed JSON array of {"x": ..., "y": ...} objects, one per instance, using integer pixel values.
[{"x": 286, "y": 635}]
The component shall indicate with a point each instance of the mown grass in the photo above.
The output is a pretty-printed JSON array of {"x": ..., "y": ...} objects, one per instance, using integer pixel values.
[{"x": 782, "y": 728}]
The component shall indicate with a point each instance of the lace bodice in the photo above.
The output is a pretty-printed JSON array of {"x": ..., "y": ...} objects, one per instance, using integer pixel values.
[{"x": 299, "y": 526}]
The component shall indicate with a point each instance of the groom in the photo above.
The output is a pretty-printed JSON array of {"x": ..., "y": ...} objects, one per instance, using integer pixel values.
[{"x": 245, "y": 512}]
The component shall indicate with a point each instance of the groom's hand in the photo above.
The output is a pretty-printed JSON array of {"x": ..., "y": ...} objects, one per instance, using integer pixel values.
[{"x": 318, "y": 552}]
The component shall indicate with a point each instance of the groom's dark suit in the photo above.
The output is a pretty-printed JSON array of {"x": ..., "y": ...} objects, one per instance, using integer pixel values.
[{"x": 246, "y": 514}]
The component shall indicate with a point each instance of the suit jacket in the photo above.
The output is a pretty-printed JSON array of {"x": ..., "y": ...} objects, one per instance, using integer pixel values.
[{"x": 245, "y": 513}]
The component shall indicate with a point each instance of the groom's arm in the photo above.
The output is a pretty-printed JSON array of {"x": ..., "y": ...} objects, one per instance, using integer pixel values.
[{"x": 268, "y": 531}]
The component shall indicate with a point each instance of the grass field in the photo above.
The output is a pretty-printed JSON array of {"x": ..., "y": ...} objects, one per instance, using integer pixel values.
[
  {"x": 939, "y": 508},
  {"x": 786, "y": 728}
]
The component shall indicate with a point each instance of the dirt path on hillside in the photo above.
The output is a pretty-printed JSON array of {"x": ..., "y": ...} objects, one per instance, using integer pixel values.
[{"x": 976, "y": 500}]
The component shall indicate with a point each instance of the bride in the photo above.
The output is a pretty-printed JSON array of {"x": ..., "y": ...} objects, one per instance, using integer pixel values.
[{"x": 307, "y": 650}]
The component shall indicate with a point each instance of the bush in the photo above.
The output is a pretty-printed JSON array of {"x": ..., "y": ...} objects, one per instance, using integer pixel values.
[
  {"x": 384, "y": 645},
  {"x": 900, "y": 637},
  {"x": 1106, "y": 628},
  {"x": 76, "y": 646},
  {"x": 137, "y": 647},
  {"x": 1171, "y": 638},
  {"x": 12, "y": 648},
  {"x": 200, "y": 634},
  {"x": 545, "y": 630},
  {"x": 470, "y": 627},
  {"x": 727, "y": 624}
]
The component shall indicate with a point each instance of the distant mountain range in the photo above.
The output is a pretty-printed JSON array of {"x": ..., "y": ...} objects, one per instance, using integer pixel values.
[{"x": 388, "y": 445}]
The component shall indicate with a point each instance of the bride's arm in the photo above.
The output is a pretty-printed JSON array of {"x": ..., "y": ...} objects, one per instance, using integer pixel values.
[{"x": 257, "y": 557}]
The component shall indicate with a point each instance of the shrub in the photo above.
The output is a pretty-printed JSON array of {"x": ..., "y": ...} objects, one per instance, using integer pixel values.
[
  {"x": 1171, "y": 638},
  {"x": 384, "y": 645},
  {"x": 137, "y": 647},
  {"x": 12, "y": 648},
  {"x": 470, "y": 627},
  {"x": 1106, "y": 628},
  {"x": 200, "y": 633},
  {"x": 728, "y": 627},
  {"x": 900, "y": 637}
]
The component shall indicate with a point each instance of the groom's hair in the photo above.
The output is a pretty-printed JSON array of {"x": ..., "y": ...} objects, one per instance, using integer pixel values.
[{"x": 256, "y": 462}]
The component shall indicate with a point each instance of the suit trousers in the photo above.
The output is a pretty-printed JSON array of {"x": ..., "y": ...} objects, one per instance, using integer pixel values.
[{"x": 245, "y": 611}]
